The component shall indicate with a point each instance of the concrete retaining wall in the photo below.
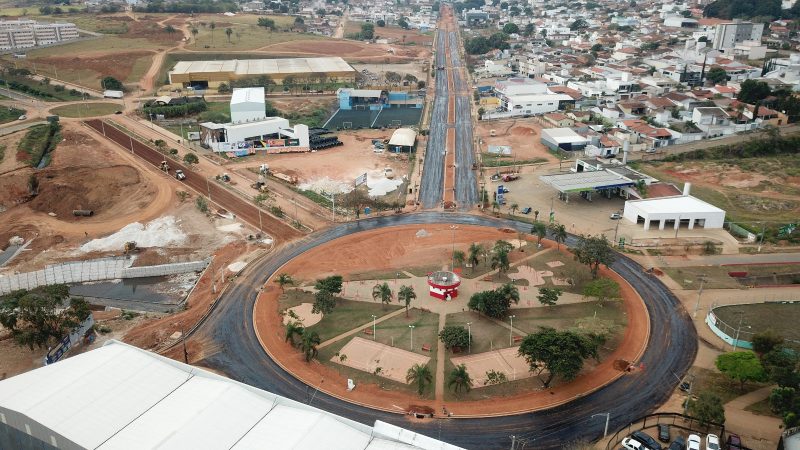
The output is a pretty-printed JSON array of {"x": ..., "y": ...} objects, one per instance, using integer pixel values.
[
  {"x": 716, "y": 326},
  {"x": 93, "y": 270}
]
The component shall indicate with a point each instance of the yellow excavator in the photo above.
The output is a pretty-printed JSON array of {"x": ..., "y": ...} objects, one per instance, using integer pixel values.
[{"x": 130, "y": 247}]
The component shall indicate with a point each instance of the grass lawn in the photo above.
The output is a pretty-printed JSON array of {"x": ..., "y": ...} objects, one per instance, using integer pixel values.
[
  {"x": 10, "y": 114},
  {"x": 140, "y": 67},
  {"x": 492, "y": 160},
  {"x": 245, "y": 36},
  {"x": 86, "y": 109},
  {"x": 176, "y": 128},
  {"x": 716, "y": 277},
  {"x": 707, "y": 380},
  {"x": 761, "y": 408},
  {"x": 508, "y": 388},
  {"x": 762, "y": 316},
  {"x": 377, "y": 275},
  {"x": 393, "y": 331},
  {"x": 487, "y": 335},
  {"x": 106, "y": 44},
  {"x": 46, "y": 92},
  {"x": 347, "y": 315}
]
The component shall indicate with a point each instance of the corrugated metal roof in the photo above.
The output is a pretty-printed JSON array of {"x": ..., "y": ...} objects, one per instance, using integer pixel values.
[
  {"x": 120, "y": 397},
  {"x": 264, "y": 66}
]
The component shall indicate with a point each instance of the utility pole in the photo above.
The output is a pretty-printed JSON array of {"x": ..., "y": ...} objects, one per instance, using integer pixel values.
[
  {"x": 699, "y": 293},
  {"x": 469, "y": 333},
  {"x": 412, "y": 336},
  {"x": 511, "y": 332},
  {"x": 608, "y": 416},
  {"x": 616, "y": 228},
  {"x": 513, "y": 441},
  {"x": 761, "y": 241},
  {"x": 373, "y": 326}
]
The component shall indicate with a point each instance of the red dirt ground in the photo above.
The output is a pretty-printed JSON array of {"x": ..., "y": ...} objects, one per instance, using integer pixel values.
[
  {"x": 398, "y": 247},
  {"x": 349, "y": 50}
]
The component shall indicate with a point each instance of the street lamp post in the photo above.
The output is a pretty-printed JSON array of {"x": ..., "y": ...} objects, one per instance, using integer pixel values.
[
  {"x": 511, "y": 331},
  {"x": 412, "y": 337},
  {"x": 608, "y": 416},
  {"x": 453, "y": 255},
  {"x": 738, "y": 329},
  {"x": 699, "y": 292},
  {"x": 373, "y": 326},
  {"x": 469, "y": 333}
]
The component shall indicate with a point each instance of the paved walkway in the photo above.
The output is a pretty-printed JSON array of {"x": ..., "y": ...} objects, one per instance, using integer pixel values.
[{"x": 754, "y": 429}]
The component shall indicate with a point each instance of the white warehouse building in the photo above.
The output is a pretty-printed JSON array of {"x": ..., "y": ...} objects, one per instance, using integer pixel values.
[
  {"x": 248, "y": 105},
  {"x": 674, "y": 212}
]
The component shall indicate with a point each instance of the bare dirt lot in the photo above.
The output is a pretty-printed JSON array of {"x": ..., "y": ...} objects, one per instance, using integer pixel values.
[
  {"x": 380, "y": 70},
  {"x": 523, "y": 135},
  {"x": 350, "y": 50}
]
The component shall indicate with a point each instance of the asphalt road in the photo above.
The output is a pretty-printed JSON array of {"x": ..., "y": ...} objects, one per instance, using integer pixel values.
[
  {"x": 233, "y": 348},
  {"x": 432, "y": 183},
  {"x": 218, "y": 194}
]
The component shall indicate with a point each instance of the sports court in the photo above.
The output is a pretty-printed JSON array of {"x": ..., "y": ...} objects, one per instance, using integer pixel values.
[
  {"x": 366, "y": 355},
  {"x": 505, "y": 360},
  {"x": 387, "y": 117}
]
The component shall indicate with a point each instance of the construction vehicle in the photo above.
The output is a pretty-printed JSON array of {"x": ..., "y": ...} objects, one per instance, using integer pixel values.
[
  {"x": 224, "y": 177},
  {"x": 259, "y": 186},
  {"x": 164, "y": 166},
  {"x": 130, "y": 247},
  {"x": 180, "y": 175}
]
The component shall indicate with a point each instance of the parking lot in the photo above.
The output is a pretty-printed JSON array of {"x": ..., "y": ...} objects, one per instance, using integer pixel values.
[{"x": 581, "y": 216}]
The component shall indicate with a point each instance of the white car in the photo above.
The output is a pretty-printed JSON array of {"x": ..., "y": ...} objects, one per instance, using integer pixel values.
[
  {"x": 632, "y": 444},
  {"x": 23, "y": 117},
  {"x": 693, "y": 443},
  {"x": 712, "y": 442}
]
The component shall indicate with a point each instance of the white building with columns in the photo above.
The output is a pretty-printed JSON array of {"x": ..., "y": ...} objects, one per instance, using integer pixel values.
[{"x": 674, "y": 212}]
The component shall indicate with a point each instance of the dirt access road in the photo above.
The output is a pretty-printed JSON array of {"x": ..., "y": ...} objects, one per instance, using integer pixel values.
[{"x": 216, "y": 193}]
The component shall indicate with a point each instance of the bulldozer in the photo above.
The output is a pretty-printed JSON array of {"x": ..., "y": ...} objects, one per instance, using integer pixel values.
[
  {"x": 164, "y": 166},
  {"x": 130, "y": 247}
]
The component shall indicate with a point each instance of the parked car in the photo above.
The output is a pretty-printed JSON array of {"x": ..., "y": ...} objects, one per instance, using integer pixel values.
[
  {"x": 22, "y": 117},
  {"x": 632, "y": 444},
  {"x": 646, "y": 439},
  {"x": 734, "y": 442},
  {"x": 663, "y": 432},
  {"x": 693, "y": 443},
  {"x": 527, "y": 210},
  {"x": 616, "y": 216},
  {"x": 678, "y": 444},
  {"x": 712, "y": 442},
  {"x": 180, "y": 175}
]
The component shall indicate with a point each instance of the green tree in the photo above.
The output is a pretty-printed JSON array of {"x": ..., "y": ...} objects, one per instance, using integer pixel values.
[
  {"x": 382, "y": 292},
  {"x": 504, "y": 246},
  {"x": 194, "y": 34},
  {"x": 529, "y": 29},
  {"x": 559, "y": 353},
  {"x": 419, "y": 374},
  {"x": 293, "y": 328},
  {"x": 191, "y": 158},
  {"x": 781, "y": 366},
  {"x": 510, "y": 28},
  {"x": 309, "y": 343},
  {"x": 367, "y": 31},
  {"x": 494, "y": 303},
  {"x": 325, "y": 297},
  {"x": 766, "y": 341},
  {"x": 170, "y": 29},
  {"x": 228, "y": 33},
  {"x": 539, "y": 229},
  {"x": 266, "y": 23},
  {"x": 454, "y": 336},
  {"x": 381, "y": 23},
  {"x": 509, "y": 293},
  {"x": 41, "y": 316},
  {"x": 474, "y": 253},
  {"x": 458, "y": 258},
  {"x": 559, "y": 233},
  {"x": 501, "y": 261},
  {"x": 406, "y": 295},
  {"x": 549, "y": 296},
  {"x": 707, "y": 409},
  {"x": 514, "y": 207},
  {"x": 284, "y": 279},
  {"x": 459, "y": 380},
  {"x": 717, "y": 75},
  {"x": 578, "y": 24},
  {"x": 213, "y": 26},
  {"x": 403, "y": 23},
  {"x": 202, "y": 204},
  {"x": 112, "y": 83},
  {"x": 602, "y": 289},
  {"x": 742, "y": 367},
  {"x": 593, "y": 251},
  {"x": 783, "y": 400},
  {"x": 224, "y": 88},
  {"x": 753, "y": 91}
]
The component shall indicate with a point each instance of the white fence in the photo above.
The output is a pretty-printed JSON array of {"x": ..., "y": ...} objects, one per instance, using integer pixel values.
[{"x": 93, "y": 270}]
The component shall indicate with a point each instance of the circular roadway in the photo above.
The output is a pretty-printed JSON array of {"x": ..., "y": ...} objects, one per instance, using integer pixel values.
[{"x": 233, "y": 348}]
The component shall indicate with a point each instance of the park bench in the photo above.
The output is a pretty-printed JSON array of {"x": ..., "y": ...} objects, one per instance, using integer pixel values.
[
  {"x": 368, "y": 331},
  {"x": 426, "y": 347},
  {"x": 517, "y": 339}
]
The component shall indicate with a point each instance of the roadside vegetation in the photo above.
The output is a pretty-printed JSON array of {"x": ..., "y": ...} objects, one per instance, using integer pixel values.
[{"x": 38, "y": 143}]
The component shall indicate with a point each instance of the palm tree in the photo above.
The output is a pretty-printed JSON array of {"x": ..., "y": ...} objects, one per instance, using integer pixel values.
[
  {"x": 559, "y": 232},
  {"x": 194, "y": 34},
  {"x": 293, "y": 328},
  {"x": 495, "y": 206},
  {"x": 382, "y": 292},
  {"x": 213, "y": 26},
  {"x": 309, "y": 344},
  {"x": 500, "y": 261},
  {"x": 510, "y": 293},
  {"x": 458, "y": 257},
  {"x": 284, "y": 279},
  {"x": 459, "y": 379},
  {"x": 228, "y": 32},
  {"x": 536, "y": 216},
  {"x": 514, "y": 207},
  {"x": 405, "y": 295},
  {"x": 420, "y": 375},
  {"x": 540, "y": 230},
  {"x": 474, "y": 254}
]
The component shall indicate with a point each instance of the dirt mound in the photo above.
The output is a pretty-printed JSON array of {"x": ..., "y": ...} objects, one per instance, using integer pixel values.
[
  {"x": 62, "y": 191},
  {"x": 621, "y": 365},
  {"x": 523, "y": 131}
]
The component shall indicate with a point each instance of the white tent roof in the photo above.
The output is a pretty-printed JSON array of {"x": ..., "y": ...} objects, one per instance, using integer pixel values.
[
  {"x": 403, "y": 137},
  {"x": 120, "y": 397},
  {"x": 248, "y": 95}
]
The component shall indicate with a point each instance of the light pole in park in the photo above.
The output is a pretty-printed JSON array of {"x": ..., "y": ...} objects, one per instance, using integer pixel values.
[
  {"x": 608, "y": 416},
  {"x": 412, "y": 337},
  {"x": 469, "y": 334},
  {"x": 453, "y": 255},
  {"x": 511, "y": 331},
  {"x": 373, "y": 326}
]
